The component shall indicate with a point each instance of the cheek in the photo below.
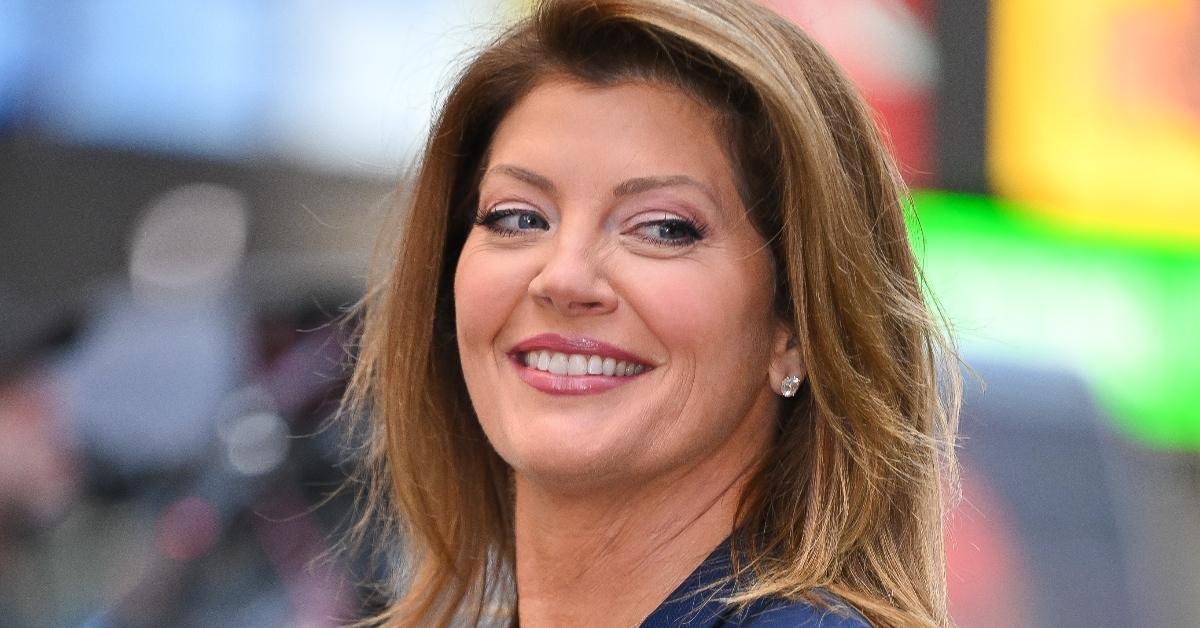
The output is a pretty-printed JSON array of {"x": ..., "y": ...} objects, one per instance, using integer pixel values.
[
  {"x": 716, "y": 313},
  {"x": 485, "y": 289}
]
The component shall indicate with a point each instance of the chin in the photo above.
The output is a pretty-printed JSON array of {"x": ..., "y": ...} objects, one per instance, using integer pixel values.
[{"x": 571, "y": 458}]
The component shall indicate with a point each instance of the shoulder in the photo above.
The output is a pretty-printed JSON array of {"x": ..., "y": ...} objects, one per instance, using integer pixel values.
[
  {"x": 778, "y": 613},
  {"x": 700, "y": 602}
]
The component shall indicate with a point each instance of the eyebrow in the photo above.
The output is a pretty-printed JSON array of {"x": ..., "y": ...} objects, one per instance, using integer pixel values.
[
  {"x": 521, "y": 174},
  {"x": 628, "y": 187},
  {"x": 638, "y": 185}
]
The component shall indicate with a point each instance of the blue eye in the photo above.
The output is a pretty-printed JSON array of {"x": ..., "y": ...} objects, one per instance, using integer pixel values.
[
  {"x": 512, "y": 221},
  {"x": 670, "y": 232}
]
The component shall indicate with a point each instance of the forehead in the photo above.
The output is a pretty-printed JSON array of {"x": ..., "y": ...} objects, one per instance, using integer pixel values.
[{"x": 571, "y": 131}]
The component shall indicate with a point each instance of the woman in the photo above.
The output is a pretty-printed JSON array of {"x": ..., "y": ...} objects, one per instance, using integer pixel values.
[{"x": 652, "y": 347}]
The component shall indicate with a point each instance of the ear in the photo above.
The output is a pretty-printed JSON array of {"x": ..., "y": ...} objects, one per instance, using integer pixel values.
[{"x": 786, "y": 358}]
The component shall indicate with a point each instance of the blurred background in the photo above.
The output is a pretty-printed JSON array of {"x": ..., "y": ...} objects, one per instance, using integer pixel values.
[{"x": 189, "y": 191}]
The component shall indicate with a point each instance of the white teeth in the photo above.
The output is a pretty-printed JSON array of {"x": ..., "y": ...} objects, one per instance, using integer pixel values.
[
  {"x": 576, "y": 364},
  {"x": 558, "y": 364}
]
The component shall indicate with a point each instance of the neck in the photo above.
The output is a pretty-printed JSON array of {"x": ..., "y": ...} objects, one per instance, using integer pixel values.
[{"x": 612, "y": 559}]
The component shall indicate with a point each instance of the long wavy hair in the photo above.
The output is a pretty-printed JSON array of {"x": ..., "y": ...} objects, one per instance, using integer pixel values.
[{"x": 851, "y": 496}]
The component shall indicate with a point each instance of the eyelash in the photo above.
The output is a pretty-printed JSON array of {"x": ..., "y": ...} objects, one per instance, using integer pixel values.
[
  {"x": 694, "y": 231},
  {"x": 490, "y": 220}
]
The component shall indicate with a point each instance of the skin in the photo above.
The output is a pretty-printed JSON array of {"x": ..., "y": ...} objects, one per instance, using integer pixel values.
[{"x": 620, "y": 494}]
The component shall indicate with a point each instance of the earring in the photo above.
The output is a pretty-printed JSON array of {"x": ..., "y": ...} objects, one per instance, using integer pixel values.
[{"x": 789, "y": 386}]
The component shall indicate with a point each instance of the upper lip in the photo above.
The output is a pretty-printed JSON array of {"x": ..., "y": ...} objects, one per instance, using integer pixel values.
[{"x": 577, "y": 345}]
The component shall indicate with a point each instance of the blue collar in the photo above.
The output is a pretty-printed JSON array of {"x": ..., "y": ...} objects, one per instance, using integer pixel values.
[{"x": 696, "y": 602}]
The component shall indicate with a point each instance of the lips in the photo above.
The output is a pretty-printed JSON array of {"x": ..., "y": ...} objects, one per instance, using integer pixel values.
[{"x": 574, "y": 365}]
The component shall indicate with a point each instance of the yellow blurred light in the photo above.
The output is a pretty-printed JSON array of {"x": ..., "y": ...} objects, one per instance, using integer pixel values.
[{"x": 1095, "y": 112}]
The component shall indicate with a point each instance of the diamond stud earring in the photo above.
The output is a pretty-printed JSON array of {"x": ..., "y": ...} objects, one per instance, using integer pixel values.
[{"x": 789, "y": 386}]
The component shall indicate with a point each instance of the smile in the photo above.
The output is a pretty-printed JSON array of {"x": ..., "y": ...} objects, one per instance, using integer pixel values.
[{"x": 574, "y": 366}]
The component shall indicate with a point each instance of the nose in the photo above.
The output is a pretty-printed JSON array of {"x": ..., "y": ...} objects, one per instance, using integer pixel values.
[{"x": 573, "y": 282}]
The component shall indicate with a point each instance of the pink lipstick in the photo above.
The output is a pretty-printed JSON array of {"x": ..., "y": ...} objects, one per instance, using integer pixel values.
[{"x": 562, "y": 365}]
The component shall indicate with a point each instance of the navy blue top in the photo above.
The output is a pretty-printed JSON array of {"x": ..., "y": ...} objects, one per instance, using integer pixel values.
[{"x": 696, "y": 604}]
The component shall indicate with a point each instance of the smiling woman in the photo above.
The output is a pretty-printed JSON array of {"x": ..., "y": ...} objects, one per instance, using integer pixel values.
[
  {"x": 645, "y": 258},
  {"x": 652, "y": 346}
]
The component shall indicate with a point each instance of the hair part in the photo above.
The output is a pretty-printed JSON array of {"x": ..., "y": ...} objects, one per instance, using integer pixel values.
[{"x": 850, "y": 497}]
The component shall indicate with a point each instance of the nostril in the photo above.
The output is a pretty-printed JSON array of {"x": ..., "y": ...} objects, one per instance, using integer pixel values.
[{"x": 572, "y": 293}]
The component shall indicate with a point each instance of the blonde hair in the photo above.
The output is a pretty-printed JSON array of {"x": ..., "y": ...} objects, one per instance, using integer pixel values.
[{"x": 850, "y": 497}]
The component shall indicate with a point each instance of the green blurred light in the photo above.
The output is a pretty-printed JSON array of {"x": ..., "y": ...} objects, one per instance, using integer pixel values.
[{"x": 1123, "y": 314}]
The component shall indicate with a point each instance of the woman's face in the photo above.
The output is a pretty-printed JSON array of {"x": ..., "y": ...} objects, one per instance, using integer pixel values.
[{"x": 613, "y": 301}]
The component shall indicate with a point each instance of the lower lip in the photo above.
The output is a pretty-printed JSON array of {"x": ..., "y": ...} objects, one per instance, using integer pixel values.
[{"x": 571, "y": 384}]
